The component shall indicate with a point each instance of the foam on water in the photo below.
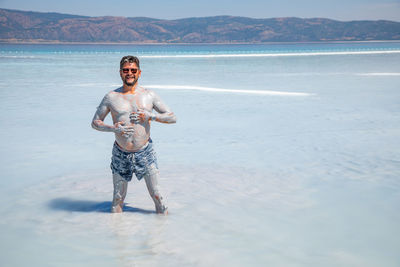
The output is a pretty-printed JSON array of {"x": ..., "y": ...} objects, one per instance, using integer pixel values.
[
  {"x": 225, "y": 90},
  {"x": 380, "y": 74},
  {"x": 288, "y": 54},
  {"x": 18, "y": 57},
  {"x": 206, "y": 89}
]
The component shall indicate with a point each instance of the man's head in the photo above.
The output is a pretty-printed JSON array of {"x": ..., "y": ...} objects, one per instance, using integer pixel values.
[
  {"x": 129, "y": 59},
  {"x": 129, "y": 70}
]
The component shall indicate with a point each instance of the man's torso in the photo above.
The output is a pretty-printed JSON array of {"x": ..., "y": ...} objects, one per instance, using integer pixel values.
[{"x": 121, "y": 106}]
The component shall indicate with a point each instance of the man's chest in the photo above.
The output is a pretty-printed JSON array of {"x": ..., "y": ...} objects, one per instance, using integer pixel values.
[{"x": 129, "y": 103}]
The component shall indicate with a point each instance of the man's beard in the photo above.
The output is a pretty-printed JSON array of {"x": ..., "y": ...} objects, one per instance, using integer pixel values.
[{"x": 131, "y": 83}]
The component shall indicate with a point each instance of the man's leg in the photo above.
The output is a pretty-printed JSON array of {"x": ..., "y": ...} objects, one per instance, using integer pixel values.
[
  {"x": 151, "y": 179},
  {"x": 120, "y": 189}
]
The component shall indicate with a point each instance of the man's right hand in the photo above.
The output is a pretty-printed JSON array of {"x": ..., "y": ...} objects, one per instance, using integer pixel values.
[{"x": 125, "y": 130}]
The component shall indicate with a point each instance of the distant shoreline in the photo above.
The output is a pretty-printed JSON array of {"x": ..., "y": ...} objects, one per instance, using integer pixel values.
[{"x": 36, "y": 42}]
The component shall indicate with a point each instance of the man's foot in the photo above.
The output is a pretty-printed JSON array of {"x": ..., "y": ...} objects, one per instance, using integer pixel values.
[{"x": 162, "y": 211}]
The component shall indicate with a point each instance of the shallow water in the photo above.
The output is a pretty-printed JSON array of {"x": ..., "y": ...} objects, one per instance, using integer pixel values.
[{"x": 307, "y": 176}]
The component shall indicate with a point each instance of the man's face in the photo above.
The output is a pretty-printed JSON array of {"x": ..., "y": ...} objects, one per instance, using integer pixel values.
[{"x": 130, "y": 73}]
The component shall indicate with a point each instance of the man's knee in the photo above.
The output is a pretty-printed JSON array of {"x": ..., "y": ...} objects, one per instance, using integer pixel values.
[
  {"x": 153, "y": 170},
  {"x": 120, "y": 185}
]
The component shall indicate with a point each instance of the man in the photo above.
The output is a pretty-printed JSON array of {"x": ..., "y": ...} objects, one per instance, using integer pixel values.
[{"x": 131, "y": 110}]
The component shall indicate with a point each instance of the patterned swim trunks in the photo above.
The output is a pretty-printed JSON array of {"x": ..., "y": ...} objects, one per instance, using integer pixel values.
[{"x": 128, "y": 163}]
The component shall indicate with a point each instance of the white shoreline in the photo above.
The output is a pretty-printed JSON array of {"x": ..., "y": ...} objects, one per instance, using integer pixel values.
[
  {"x": 224, "y": 90},
  {"x": 276, "y": 54}
]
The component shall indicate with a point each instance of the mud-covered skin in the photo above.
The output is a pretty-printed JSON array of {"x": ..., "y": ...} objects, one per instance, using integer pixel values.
[{"x": 131, "y": 109}]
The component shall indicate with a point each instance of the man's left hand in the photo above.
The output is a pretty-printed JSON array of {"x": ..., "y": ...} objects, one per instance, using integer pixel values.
[{"x": 141, "y": 115}]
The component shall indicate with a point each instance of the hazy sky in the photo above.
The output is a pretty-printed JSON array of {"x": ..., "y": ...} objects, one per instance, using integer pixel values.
[{"x": 172, "y": 9}]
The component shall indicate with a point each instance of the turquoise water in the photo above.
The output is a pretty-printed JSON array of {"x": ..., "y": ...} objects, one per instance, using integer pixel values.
[
  {"x": 283, "y": 155},
  {"x": 198, "y": 49}
]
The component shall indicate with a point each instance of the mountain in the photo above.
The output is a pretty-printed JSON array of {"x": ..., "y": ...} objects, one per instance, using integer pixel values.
[{"x": 24, "y": 26}]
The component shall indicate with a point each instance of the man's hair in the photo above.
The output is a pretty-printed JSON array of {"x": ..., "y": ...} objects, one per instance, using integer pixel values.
[{"x": 129, "y": 59}]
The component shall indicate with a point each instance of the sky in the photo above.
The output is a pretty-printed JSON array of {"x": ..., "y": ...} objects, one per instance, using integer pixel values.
[{"x": 344, "y": 10}]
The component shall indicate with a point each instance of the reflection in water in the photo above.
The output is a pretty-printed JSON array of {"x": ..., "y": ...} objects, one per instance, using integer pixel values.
[{"x": 138, "y": 242}]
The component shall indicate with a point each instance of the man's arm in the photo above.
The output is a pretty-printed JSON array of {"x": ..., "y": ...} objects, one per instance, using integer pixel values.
[
  {"x": 98, "y": 120},
  {"x": 164, "y": 115}
]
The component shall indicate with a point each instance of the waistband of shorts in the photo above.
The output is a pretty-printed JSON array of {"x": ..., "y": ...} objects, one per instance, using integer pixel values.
[{"x": 140, "y": 150}]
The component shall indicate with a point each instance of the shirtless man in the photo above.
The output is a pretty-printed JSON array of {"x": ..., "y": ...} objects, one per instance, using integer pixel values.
[{"x": 131, "y": 110}]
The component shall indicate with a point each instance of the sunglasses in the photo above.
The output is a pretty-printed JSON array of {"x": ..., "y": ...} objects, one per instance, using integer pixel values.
[{"x": 127, "y": 70}]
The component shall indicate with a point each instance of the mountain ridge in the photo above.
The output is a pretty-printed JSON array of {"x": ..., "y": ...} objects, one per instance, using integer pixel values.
[{"x": 29, "y": 26}]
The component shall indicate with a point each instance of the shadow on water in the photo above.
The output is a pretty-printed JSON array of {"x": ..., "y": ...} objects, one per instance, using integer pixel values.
[{"x": 89, "y": 206}]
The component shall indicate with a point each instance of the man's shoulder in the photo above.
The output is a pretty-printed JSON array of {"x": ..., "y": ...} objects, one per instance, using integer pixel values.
[
  {"x": 114, "y": 93},
  {"x": 146, "y": 91},
  {"x": 110, "y": 96}
]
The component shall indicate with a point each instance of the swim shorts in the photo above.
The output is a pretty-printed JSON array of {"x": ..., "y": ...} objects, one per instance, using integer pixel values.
[{"x": 128, "y": 163}]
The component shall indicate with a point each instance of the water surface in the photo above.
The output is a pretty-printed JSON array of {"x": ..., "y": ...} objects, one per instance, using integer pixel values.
[{"x": 283, "y": 155}]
